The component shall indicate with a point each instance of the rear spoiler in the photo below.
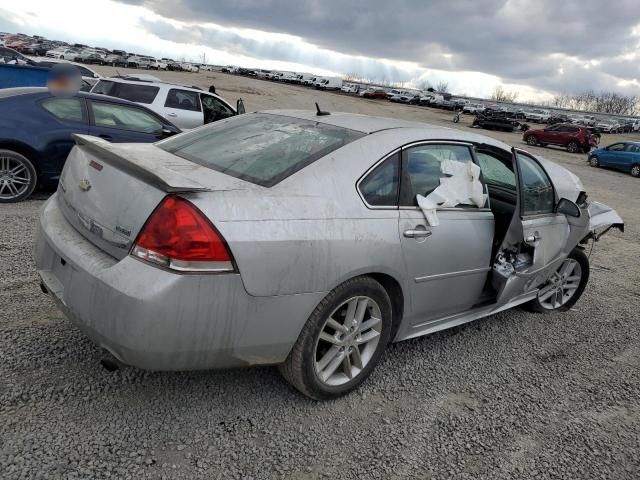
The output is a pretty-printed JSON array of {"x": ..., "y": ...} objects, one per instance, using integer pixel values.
[{"x": 148, "y": 170}]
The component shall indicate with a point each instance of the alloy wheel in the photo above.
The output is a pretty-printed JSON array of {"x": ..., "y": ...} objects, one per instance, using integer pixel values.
[
  {"x": 531, "y": 140},
  {"x": 348, "y": 340},
  {"x": 562, "y": 285},
  {"x": 15, "y": 178},
  {"x": 635, "y": 171},
  {"x": 572, "y": 147},
  {"x": 594, "y": 162}
]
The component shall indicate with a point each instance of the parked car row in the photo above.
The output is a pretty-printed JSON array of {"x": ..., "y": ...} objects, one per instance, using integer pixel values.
[
  {"x": 56, "y": 50},
  {"x": 492, "y": 114}
]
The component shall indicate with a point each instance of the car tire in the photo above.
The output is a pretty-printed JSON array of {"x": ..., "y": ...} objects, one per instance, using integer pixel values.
[
  {"x": 594, "y": 161},
  {"x": 532, "y": 140},
  {"x": 15, "y": 168},
  {"x": 573, "y": 147},
  {"x": 635, "y": 171},
  {"x": 318, "y": 363},
  {"x": 564, "y": 288}
]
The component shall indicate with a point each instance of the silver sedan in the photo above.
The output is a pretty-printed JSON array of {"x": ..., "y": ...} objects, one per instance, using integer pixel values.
[{"x": 308, "y": 241}]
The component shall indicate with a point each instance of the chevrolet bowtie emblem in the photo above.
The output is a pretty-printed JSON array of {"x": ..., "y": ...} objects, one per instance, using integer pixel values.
[{"x": 85, "y": 185}]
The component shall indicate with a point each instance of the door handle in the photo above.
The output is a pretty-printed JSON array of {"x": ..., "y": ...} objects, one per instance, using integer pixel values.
[
  {"x": 172, "y": 114},
  {"x": 417, "y": 233}
]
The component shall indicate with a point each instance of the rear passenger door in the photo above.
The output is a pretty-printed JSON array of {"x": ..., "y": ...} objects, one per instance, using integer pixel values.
[
  {"x": 70, "y": 116},
  {"x": 447, "y": 264},
  {"x": 183, "y": 108}
]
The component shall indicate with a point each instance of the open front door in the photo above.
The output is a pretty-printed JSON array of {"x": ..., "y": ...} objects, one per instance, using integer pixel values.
[{"x": 536, "y": 241}]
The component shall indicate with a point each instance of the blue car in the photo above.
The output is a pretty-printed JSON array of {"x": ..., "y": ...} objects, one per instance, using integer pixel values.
[
  {"x": 623, "y": 156},
  {"x": 36, "y": 133}
]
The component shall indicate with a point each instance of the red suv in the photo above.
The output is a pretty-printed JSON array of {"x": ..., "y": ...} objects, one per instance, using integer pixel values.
[
  {"x": 575, "y": 138},
  {"x": 374, "y": 93}
]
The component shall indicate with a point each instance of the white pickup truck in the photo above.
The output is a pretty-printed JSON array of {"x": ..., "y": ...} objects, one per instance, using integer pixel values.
[{"x": 538, "y": 115}]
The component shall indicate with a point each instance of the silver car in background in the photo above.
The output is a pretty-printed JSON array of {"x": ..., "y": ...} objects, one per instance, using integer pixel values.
[{"x": 295, "y": 238}]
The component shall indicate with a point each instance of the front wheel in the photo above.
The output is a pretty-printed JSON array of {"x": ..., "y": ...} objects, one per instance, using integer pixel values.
[
  {"x": 565, "y": 286},
  {"x": 532, "y": 140},
  {"x": 594, "y": 162},
  {"x": 342, "y": 341},
  {"x": 18, "y": 177}
]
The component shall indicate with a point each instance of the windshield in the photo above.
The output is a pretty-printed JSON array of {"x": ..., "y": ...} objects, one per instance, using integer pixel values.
[{"x": 260, "y": 148}]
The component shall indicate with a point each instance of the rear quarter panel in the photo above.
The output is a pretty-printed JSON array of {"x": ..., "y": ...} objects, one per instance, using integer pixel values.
[{"x": 312, "y": 231}]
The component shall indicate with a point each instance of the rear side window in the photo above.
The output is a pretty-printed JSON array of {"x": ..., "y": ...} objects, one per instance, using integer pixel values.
[
  {"x": 423, "y": 168},
  {"x": 380, "y": 187},
  {"x": 124, "y": 117},
  {"x": 127, "y": 91},
  {"x": 68, "y": 109},
  {"x": 182, "y": 100},
  {"x": 260, "y": 148}
]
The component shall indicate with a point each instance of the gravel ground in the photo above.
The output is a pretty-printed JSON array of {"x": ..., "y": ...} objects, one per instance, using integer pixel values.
[{"x": 514, "y": 396}]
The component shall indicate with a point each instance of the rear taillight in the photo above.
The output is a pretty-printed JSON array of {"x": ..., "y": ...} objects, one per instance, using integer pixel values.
[{"x": 178, "y": 236}]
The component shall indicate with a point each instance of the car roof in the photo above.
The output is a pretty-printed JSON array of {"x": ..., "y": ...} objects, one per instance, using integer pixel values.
[
  {"x": 44, "y": 92},
  {"x": 371, "y": 125},
  {"x": 352, "y": 121},
  {"x": 148, "y": 81}
]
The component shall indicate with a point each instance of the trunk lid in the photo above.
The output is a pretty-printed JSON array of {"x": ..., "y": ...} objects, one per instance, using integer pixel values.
[{"x": 108, "y": 191}]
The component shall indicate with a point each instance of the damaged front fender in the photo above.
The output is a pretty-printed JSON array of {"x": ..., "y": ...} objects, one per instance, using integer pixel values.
[{"x": 602, "y": 219}]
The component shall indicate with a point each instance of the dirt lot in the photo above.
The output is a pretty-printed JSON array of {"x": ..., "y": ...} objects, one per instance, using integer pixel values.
[{"x": 517, "y": 395}]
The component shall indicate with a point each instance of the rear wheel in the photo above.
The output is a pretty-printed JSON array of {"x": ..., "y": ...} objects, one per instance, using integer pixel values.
[
  {"x": 18, "y": 177},
  {"x": 565, "y": 286},
  {"x": 573, "y": 147},
  {"x": 342, "y": 341},
  {"x": 635, "y": 171}
]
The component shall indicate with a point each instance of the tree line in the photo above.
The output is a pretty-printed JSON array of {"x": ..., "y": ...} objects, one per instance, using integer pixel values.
[{"x": 602, "y": 102}]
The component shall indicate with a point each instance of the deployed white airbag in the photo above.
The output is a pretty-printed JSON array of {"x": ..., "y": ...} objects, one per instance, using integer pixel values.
[{"x": 460, "y": 185}]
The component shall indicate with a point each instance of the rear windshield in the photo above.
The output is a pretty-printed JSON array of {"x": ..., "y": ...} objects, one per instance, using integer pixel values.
[
  {"x": 127, "y": 91},
  {"x": 260, "y": 148}
]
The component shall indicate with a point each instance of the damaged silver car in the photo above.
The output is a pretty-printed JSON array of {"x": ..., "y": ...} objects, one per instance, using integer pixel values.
[{"x": 307, "y": 240}]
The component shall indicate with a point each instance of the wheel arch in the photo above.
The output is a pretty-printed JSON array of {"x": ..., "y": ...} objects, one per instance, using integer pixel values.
[
  {"x": 23, "y": 149},
  {"x": 396, "y": 295}
]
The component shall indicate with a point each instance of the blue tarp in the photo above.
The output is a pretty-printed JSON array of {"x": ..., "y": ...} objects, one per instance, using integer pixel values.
[{"x": 23, "y": 76}]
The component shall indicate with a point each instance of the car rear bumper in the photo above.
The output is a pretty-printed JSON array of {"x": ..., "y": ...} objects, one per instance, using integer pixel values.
[{"x": 159, "y": 320}]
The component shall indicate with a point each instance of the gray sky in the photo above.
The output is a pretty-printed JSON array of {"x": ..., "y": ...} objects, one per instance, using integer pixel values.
[{"x": 539, "y": 47}]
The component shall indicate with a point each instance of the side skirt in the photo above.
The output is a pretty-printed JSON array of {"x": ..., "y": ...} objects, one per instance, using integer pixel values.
[{"x": 454, "y": 320}]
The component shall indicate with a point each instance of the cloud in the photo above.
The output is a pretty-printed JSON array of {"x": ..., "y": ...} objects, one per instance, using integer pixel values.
[
  {"x": 508, "y": 38},
  {"x": 543, "y": 46}
]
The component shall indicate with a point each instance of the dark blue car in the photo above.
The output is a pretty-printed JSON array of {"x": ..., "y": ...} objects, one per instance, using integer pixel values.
[
  {"x": 623, "y": 156},
  {"x": 36, "y": 129}
]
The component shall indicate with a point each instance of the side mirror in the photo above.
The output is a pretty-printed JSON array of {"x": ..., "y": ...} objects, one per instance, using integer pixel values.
[
  {"x": 569, "y": 208},
  {"x": 167, "y": 131},
  {"x": 240, "y": 107}
]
